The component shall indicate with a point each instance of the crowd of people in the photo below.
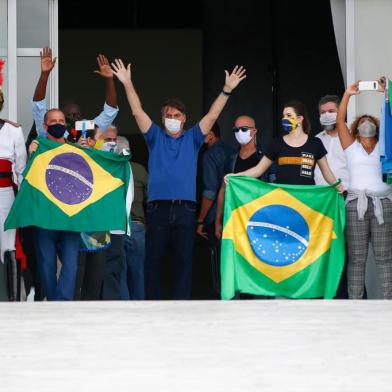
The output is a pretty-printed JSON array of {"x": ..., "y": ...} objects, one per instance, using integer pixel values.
[{"x": 165, "y": 212}]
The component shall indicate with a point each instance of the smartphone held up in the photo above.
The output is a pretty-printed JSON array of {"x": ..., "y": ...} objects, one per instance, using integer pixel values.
[{"x": 370, "y": 85}]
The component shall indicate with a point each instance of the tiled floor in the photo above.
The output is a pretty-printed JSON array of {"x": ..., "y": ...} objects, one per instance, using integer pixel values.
[{"x": 196, "y": 346}]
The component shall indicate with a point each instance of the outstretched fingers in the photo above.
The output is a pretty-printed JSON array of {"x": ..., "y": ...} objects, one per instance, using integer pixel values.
[{"x": 45, "y": 52}]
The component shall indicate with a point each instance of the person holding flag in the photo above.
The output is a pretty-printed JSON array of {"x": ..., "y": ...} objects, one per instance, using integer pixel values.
[
  {"x": 284, "y": 239},
  {"x": 296, "y": 153}
]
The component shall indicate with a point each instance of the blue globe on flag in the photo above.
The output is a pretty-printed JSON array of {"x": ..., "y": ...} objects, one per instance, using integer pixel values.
[
  {"x": 278, "y": 235},
  {"x": 69, "y": 178}
]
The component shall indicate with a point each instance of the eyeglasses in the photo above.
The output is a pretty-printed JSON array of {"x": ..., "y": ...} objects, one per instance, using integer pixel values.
[{"x": 242, "y": 129}]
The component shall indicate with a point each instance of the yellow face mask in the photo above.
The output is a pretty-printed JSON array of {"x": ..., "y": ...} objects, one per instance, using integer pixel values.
[
  {"x": 98, "y": 144},
  {"x": 288, "y": 125}
]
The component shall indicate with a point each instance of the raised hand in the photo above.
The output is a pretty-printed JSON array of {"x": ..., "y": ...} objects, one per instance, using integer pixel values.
[
  {"x": 353, "y": 89},
  {"x": 123, "y": 74},
  {"x": 47, "y": 62},
  {"x": 232, "y": 80},
  {"x": 104, "y": 67}
]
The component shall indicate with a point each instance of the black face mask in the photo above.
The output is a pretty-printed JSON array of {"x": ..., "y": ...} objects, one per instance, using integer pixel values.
[{"x": 57, "y": 130}]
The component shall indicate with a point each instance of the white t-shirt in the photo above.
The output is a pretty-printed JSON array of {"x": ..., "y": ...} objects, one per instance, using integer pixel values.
[
  {"x": 364, "y": 169},
  {"x": 336, "y": 160}
]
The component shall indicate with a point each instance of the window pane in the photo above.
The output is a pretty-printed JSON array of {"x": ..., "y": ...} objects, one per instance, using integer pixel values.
[
  {"x": 28, "y": 74},
  {"x": 3, "y": 25},
  {"x": 33, "y": 23}
]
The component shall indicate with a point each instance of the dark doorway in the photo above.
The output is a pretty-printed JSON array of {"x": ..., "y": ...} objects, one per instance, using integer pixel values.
[
  {"x": 288, "y": 49},
  {"x": 182, "y": 50}
]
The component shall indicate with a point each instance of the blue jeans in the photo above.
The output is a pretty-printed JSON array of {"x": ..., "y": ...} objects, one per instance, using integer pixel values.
[
  {"x": 170, "y": 224},
  {"x": 132, "y": 278},
  {"x": 49, "y": 243}
]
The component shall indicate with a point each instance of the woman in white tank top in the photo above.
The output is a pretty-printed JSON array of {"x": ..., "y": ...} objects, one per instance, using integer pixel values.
[{"x": 368, "y": 203}]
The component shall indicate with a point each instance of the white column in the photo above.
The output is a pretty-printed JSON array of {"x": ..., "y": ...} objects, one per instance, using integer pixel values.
[
  {"x": 350, "y": 55},
  {"x": 12, "y": 63},
  {"x": 373, "y": 54},
  {"x": 54, "y": 44}
]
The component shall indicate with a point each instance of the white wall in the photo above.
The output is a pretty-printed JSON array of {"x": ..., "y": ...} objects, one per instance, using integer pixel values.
[
  {"x": 338, "y": 10},
  {"x": 373, "y": 51}
]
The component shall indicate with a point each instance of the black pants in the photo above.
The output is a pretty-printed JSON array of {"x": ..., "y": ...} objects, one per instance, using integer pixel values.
[
  {"x": 115, "y": 263},
  {"x": 170, "y": 225},
  {"x": 89, "y": 280}
]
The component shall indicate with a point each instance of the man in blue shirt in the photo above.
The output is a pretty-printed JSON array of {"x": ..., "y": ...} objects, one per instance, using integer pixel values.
[{"x": 171, "y": 206}]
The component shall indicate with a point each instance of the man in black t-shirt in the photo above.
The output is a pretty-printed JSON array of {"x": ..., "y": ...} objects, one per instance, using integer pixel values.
[{"x": 247, "y": 156}]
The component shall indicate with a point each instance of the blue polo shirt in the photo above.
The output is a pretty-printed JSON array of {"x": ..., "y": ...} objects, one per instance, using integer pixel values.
[{"x": 172, "y": 163}]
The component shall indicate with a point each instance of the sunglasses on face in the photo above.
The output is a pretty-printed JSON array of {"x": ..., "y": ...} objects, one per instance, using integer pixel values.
[{"x": 242, "y": 129}]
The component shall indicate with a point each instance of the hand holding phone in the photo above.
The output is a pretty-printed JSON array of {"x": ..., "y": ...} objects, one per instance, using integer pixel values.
[{"x": 371, "y": 85}]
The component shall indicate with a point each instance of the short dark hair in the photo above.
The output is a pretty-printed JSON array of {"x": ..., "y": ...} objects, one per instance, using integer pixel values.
[
  {"x": 173, "y": 103},
  {"x": 216, "y": 130},
  {"x": 329, "y": 98},
  {"x": 300, "y": 110}
]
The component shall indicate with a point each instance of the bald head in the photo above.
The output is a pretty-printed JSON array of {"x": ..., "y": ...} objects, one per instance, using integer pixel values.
[
  {"x": 245, "y": 130},
  {"x": 245, "y": 121}
]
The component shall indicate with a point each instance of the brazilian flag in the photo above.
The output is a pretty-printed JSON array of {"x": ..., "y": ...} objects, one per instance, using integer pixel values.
[
  {"x": 282, "y": 240},
  {"x": 67, "y": 187}
]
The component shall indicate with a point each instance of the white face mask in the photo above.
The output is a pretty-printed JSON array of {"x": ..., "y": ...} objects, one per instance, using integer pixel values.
[
  {"x": 367, "y": 129},
  {"x": 328, "y": 120},
  {"x": 243, "y": 137},
  {"x": 109, "y": 146},
  {"x": 173, "y": 125}
]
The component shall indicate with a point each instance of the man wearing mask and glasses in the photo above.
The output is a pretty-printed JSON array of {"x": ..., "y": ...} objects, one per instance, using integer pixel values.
[
  {"x": 171, "y": 207},
  {"x": 246, "y": 157}
]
